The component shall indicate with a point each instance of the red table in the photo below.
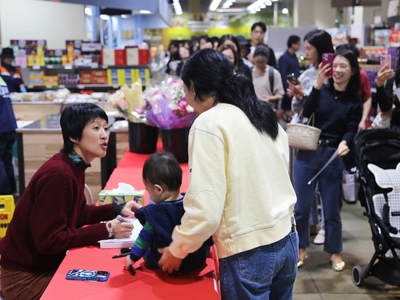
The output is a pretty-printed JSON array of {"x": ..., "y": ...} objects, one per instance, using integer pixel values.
[{"x": 146, "y": 284}]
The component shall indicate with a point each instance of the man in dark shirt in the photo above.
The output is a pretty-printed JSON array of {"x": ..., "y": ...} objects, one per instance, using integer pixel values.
[
  {"x": 258, "y": 31},
  {"x": 288, "y": 64}
]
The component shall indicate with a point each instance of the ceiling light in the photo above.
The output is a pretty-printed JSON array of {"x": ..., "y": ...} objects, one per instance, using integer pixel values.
[
  {"x": 144, "y": 12},
  {"x": 177, "y": 7},
  {"x": 274, "y": 0},
  {"x": 214, "y": 5},
  {"x": 124, "y": 16},
  {"x": 285, "y": 11},
  {"x": 104, "y": 17}
]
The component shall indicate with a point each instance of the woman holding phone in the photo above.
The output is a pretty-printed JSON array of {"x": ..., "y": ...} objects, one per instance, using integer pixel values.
[
  {"x": 337, "y": 110},
  {"x": 316, "y": 43}
]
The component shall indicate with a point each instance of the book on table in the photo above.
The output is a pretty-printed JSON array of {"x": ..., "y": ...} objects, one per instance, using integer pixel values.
[{"x": 124, "y": 243}]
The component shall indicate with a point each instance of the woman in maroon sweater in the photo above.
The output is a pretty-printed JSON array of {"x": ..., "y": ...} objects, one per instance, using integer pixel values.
[{"x": 50, "y": 215}]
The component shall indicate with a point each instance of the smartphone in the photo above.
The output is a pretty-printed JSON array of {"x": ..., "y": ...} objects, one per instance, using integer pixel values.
[
  {"x": 327, "y": 59},
  {"x": 87, "y": 275},
  {"x": 386, "y": 60},
  {"x": 292, "y": 79}
]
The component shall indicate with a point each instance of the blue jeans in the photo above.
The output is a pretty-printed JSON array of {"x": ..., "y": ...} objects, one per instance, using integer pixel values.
[
  {"x": 266, "y": 272},
  {"x": 7, "y": 179},
  {"x": 306, "y": 165}
]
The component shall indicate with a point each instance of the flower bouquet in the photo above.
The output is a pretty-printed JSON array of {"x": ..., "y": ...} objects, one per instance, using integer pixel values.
[
  {"x": 127, "y": 99},
  {"x": 166, "y": 107},
  {"x": 142, "y": 137}
]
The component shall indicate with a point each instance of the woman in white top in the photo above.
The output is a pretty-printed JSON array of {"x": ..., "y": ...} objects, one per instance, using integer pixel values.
[{"x": 240, "y": 191}]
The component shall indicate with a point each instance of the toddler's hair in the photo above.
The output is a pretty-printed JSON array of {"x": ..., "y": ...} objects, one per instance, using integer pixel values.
[{"x": 162, "y": 167}]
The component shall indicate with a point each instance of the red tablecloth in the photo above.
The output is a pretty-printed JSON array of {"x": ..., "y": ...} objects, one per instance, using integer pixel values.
[{"x": 146, "y": 284}]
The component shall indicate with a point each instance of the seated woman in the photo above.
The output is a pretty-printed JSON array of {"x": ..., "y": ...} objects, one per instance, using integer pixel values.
[{"x": 50, "y": 215}]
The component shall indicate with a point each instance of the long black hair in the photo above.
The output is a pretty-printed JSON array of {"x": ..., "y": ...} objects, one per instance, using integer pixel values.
[
  {"x": 73, "y": 120},
  {"x": 321, "y": 40},
  {"x": 212, "y": 75},
  {"x": 353, "y": 86}
]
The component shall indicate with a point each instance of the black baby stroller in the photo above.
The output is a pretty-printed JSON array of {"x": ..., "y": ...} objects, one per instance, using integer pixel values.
[{"x": 377, "y": 154}]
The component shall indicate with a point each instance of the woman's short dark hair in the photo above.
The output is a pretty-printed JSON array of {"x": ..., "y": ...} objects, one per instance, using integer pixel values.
[
  {"x": 212, "y": 74},
  {"x": 293, "y": 39},
  {"x": 353, "y": 86},
  {"x": 321, "y": 40},
  {"x": 260, "y": 24},
  {"x": 261, "y": 51},
  {"x": 73, "y": 120},
  {"x": 163, "y": 168}
]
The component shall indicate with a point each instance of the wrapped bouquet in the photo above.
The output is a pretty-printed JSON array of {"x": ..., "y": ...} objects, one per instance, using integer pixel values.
[
  {"x": 127, "y": 100},
  {"x": 166, "y": 106}
]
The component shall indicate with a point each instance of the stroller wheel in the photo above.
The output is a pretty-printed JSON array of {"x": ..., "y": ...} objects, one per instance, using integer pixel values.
[{"x": 358, "y": 275}]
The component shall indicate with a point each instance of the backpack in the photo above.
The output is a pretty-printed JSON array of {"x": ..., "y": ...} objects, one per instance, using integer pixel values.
[{"x": 271, "y": 78}]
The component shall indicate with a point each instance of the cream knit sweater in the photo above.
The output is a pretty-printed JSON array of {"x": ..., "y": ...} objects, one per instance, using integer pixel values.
[{"x": 240, "y": 191}]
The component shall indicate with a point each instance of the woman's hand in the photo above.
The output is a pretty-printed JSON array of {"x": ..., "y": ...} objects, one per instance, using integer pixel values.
[
  {"x": 322, "y": 70},
  {"x": 383, "y": 74},
  {"x": 121, "y": 230},
  {"x": 168, "y": 261},
  {"x": 343, "y": 149},
  {"x": 296, "y": 90},
  {"x": 130, "y": 208}
]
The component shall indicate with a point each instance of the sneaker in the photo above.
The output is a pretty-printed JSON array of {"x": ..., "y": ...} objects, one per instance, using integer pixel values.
[{"x": 320, "y": 238}]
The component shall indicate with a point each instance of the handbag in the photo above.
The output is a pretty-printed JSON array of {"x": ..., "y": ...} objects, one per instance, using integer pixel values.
[
  {"x": 350, "y": 185},
  {"x": 303, "y": 136}
]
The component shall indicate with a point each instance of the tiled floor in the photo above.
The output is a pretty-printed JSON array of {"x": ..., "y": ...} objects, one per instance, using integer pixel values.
[{"x": 317, "y": 281}]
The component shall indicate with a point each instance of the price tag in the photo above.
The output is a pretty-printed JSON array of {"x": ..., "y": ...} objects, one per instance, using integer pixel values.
[
  {"x": 36, "y": 67},
  {"x": 68, "y": 67},
  {"x": 80, "y": 86},
  {"x": 61, "y": 86},
  {"x": 49, "y": 66},
  {"x": 115, "y": 86}
]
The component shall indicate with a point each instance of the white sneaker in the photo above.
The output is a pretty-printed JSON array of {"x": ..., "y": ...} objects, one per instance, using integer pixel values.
[{"x": 320, "y": 238}]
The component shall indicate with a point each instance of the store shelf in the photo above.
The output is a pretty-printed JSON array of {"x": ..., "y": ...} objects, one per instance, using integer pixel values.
[
  {"x": 77, "y": 86},
  {"x": 69, "y": 67}
]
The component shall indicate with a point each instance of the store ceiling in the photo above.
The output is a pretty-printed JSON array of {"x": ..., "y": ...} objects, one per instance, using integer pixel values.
[{"x": 201, "y": 6}]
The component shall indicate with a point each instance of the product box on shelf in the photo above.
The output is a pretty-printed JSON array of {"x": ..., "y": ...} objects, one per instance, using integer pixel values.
[
  {"x": 144, "y": 75},
  {"x": 113, "y": 76},
  {"x": 144, "y": 55},
  {"x": 108, "y": 57},
  {"x": 132, "y": 56},
  {"x": 120, "y": 57},
  {"x": 109, "y": 196}
]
